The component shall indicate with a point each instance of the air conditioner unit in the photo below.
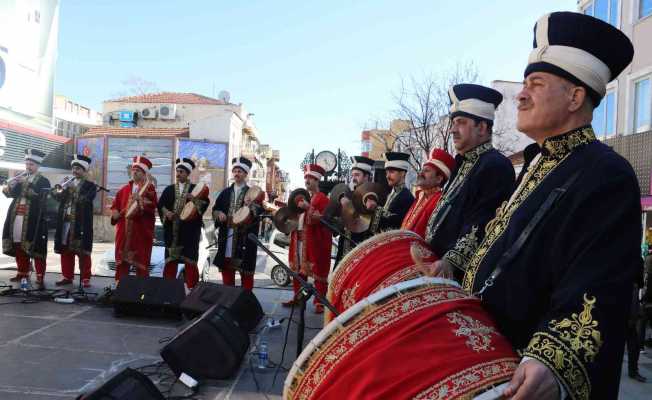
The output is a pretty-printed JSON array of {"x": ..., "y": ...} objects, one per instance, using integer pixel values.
[
  {"x": 149, "y": 113},
  {"x": 167, "y": 111},
  {"x": 127, "y": 116}
]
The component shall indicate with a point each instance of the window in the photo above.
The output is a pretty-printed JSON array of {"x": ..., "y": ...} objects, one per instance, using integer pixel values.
[
  {"x": 644, "y": 8},
  {"x": 604, "y": 116},
  {"x": 642, "y": 105},
  {"x": 606, "y": 10}
]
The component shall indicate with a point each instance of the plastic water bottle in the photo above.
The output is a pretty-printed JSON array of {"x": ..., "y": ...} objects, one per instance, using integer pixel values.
[
  {"x": 263, "y": 356},
  {"x": 23, "y": 284}
]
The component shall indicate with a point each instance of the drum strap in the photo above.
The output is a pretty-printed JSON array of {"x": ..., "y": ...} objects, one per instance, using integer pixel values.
[{"x": 513, "y": 251}]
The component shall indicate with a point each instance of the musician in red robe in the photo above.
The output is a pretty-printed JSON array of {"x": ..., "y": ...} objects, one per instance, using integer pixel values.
[
  {"x": 133, "y": 212},
  {"x": 311, "y": 242},
  {"x": 434, "y": 174}
]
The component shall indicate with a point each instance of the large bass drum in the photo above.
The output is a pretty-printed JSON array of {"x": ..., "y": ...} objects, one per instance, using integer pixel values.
[
  {"x": 418, "y": 339},
  {"x": 374, "y": 264}
]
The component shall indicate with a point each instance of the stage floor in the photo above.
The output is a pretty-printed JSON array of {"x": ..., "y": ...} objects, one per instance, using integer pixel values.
[{"x": 57, "y": 351}]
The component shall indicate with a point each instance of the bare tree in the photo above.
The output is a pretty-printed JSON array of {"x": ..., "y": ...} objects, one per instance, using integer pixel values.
[
  {"x": 422, "y": 105},
  {"x": 136, "y": 86}
]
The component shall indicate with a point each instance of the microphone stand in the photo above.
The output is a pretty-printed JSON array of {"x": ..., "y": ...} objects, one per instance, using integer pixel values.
[{"x": 307, "y": 290}]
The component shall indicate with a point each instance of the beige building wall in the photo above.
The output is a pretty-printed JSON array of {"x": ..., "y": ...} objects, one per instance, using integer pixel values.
[
  {"x": 376, "y": 142},
  {"x": 184, "y": 113},
  {"x": 639, "y": 30}
]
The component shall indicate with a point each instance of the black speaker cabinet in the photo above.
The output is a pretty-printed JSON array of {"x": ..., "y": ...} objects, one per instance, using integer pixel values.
[
  {"x": 243, "y": 304},
  {"x": 211, "y": 347},
  {"x": 127, "y": 385},
  {"x": 156, "y": 297}
]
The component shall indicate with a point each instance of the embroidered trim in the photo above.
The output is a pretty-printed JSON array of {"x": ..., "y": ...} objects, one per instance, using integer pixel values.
[
  {"x": 580, "y": 331},
  {"x": 235, "y": 204},
  {"x": 74, "y": 243},
  {"x": 175, "y": 251},
  {"x": 392, "y": 195},
  {"x": 373, "y": 322},
  {"x": 571, "y": 343},
  {"x": 562, "y": 362},
  {"x": 128, "y": 254},
  {"x": 339, "y": 275},
  {"x": 403, "y": 275},
  {"x": 556, "y": 150},
  {"x": 464, "y": 248},
  {"x": 478, "y": 334},
  {"x": 375, "y": 220},
  {"x": 414, "y": 212},
  {"x": 470, "y": 160},
  {"x": 471, "y": 381},
  {"x": 348, "y": 295},
  {"x": 28, "y": 246}
]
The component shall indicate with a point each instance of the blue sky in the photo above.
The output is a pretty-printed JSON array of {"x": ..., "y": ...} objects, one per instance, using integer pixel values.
[{"x": 314, "y": 73}]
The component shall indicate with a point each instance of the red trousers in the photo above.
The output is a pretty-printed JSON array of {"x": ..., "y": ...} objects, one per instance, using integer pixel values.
[
  {"x": 321, "y": 287},
  {"x": 191, "y": 273},
  {"x": 68, "y": 265},
  {"x": 122, "y": 270},
  {"x": 228, "y": 277},
  {"x": 22, "y": 263}
]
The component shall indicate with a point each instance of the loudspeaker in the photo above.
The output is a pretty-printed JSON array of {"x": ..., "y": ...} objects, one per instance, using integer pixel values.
[
  {"x": 210, "y": 347},
  {"x": 148, "y": 297},
  {"x": 127, "y": 385},
  {"x": 243, "y": 304}
]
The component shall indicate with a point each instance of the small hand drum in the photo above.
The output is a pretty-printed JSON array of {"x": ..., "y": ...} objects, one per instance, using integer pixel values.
[{"x": 244, "y": 216}]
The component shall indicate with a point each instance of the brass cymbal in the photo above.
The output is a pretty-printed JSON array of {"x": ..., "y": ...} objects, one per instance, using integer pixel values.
[
  {"x": 285, "y": 220},
  {"x": 362, "y": 192},
  {"x": 354, "y": 221},
  {"x": 295, "y": 195},
  {"x": 334, "y": 208}
]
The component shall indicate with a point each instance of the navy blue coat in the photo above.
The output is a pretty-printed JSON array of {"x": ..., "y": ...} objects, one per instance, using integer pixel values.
[
  {"x": 482, "y": 180},
  {"x": 395, "y": 211},
  {"x": 564, "y": 297}
]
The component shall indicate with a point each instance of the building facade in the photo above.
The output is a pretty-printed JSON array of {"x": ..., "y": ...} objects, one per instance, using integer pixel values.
[
  {"x": 72, "y": 119},
  {"x": 28, "y": 53},
  {"x": 624, "y": 117},
  {"x": 209, "y": 119}
]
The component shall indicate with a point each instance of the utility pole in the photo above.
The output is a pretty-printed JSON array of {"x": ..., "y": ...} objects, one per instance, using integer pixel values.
[{"x": 339, "y": 165}]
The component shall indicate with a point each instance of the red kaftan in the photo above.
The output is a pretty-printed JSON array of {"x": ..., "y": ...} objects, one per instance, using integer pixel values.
[
  {"x": 416, "y": 220},
  {"x": 318, "y": 240},
  {"x": 134, "y": 236}
]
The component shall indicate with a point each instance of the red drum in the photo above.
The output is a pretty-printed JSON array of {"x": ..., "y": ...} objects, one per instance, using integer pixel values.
[
  {"x": 374, "y": 264},
  {"x": 418, "y": 339},
  {"x": 200, "y": 190},
  {"x": 255, "y": 195},
  {"x": 243, "y": 216},
  {"x": 189, "y": 211}
]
